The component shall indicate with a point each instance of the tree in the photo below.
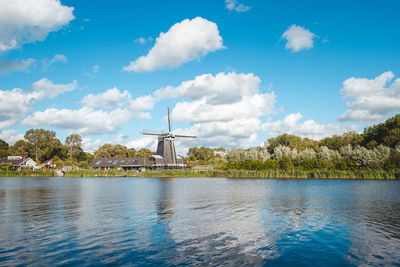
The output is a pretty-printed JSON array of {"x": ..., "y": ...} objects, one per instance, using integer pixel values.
[
  {"x": 201, "y": 153},
  {"x": 3, "y": 149},
  {"x": 73, "y": 143},
  {"x": 20, "y": 148},
  {"x": 38, "y": 139},
  {"x": 144, "y": 152},
  {"x": 116, "y": 151}
]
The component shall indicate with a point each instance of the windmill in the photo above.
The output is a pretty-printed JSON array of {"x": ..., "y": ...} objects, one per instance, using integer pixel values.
[{"x": 166, "y": 146}]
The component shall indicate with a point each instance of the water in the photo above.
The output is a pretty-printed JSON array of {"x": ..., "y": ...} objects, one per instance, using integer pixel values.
[{"x": 198, "y": 221}]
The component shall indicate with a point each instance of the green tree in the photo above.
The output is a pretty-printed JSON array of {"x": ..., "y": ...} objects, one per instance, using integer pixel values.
[
  {"x": 73, "y": 142},
  {"x": 144, "y": 152},
  {"x": 38, "y": 139},
  {"x": 3, "y": 149},
  {"x": 20, "y": 148}
]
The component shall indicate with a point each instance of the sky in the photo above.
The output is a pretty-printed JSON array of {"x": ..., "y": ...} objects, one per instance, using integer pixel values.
[{"x": 233, "y": 72}]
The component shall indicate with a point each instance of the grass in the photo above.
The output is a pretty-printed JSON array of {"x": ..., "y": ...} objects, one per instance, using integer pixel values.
[{"x": 311, "y": 174}]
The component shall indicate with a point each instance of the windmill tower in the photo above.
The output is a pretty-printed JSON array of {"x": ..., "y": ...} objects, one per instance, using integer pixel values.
[{"x": 166, "y": 146}]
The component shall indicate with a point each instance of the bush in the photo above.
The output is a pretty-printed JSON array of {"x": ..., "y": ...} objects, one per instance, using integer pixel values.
[
  {"x": 286, "y": 164},
  {"x": 271, "y": 164}
]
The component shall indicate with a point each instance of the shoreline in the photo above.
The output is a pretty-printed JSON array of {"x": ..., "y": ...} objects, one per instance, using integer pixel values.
[{"x": 249, "y": 174}]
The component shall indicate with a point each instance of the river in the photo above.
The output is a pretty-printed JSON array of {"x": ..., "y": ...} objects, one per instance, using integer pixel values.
[{"x": 199, "y": 221}]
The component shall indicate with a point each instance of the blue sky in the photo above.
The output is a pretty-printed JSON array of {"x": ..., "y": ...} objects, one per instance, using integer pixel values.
[{"x": 234, "y": 73}]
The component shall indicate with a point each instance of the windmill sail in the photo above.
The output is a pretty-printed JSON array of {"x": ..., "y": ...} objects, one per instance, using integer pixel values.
[{"x": 166, "y": 146}]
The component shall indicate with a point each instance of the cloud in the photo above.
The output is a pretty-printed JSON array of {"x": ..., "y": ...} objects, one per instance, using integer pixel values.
[
  {"x": 91, "y": 119},
  {"x": 115, "y": 98},
  {"x": 96, "y": 68},
  {"x": 221, "y": 88},
  {"x": 11, "y": 136},
  {"x": 184, "y": 41},
  {"x": 298, "y": 38},
  {"x": 309, "y": 128},
  {"x": 8, "y": 66},
  {"x": 15, "y": 103},
  {"x": 225, "y": 109},
  {"x": 109, "y": 99},
  {"x": 27, "y": 21},
  {"x": 84, "y": 121},
  {"x": 54, "y": 59},
  {"x": 143, "y": 142},
  {"x": 371, "y": 99},
  {"x": 143, "y": 41},
  {"x": 234, "y": 5}
]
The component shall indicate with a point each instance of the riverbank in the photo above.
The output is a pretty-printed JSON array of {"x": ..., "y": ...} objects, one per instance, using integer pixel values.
[{"x": 298, "y": 174}]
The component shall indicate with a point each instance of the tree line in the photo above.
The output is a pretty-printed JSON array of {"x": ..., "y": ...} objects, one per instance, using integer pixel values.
[
  {"x": 378, "y": 147},
  {"x": 42, "y": 145}
]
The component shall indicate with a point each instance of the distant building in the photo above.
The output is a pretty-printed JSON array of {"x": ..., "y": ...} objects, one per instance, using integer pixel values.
[
  {"x": 19, "y": 162},
  {"x": 47, "y": 164},
  {"x": 142, "y": 163}
]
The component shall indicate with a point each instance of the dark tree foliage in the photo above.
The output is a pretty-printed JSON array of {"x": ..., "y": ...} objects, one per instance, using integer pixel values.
[
  {"x": 3, "y": 149},
  {"x": 201, "y": 153},
  {"x": 386, "y": 133},
  {"x": 20, "y": 148},
  {"x": 291, "y": 141},
  {"x": 337, "y": 141}
]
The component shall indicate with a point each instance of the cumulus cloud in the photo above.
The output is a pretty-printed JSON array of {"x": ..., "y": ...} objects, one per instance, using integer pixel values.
[
  {"x": 298, "y": 38},
  {"x": 8, "y": 66},
  {"x": 291, "y": 124},
  {"x": 15, "y": 103},
  {"x": 234, "y": 5},
  {"x": 92, "y": 119},
  {"x": 225, "y": 109},
  {"x": 27, "y": 21},
  {"x": 143, "y": 142},
  {"x": 11, "y": 136},
  {"x": 183, "y": 42},
  {"x": 218, "y": 89},
  {"x": 115, "y": 98},
  {"x": 84, "y": 121},
  {"x": 109, "y": 99},
  {"x": 371, "y": 99}
]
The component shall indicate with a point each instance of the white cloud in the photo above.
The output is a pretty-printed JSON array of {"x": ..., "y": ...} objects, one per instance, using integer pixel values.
[
  {"x": 143, "y": 142},
  {"x": 371, "y": 99},
  {"x": 234, "y": 5},
  {"x": 298, "y": 38},
  {"x": 90, "y": 120},
  {"x": 109, "y": 99},
  {"x": 11, "y": 136},
  {"x": 225, "y": 109},
  {"x": 184, "y": 41},
  {"x": 8, "y": 66},
  {"x": 115, "y": 98},
  {"x": 143, "y": 41},
  {"x": 218, "y": 89},
  {"x": 309, "y": 128},
  {"x": 15, "y": 103},
  {"x": 27, "y": 21},
  {"x": 84, "y": 121}
]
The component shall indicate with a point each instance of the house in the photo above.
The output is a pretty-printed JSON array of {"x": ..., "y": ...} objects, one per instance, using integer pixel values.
[
  {"x": 19, "y": 162},
  {"x": 142, "y": 163},
  {"x": 47, "y": 164},
  {"x": 119, "y": 163}
]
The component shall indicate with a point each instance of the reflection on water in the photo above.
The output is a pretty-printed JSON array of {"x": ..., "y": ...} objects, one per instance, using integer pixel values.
[{"x": 198, "y": 221}]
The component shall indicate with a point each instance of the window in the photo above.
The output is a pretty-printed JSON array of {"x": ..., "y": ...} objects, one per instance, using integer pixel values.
[{"x": 98, "y": 162}]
